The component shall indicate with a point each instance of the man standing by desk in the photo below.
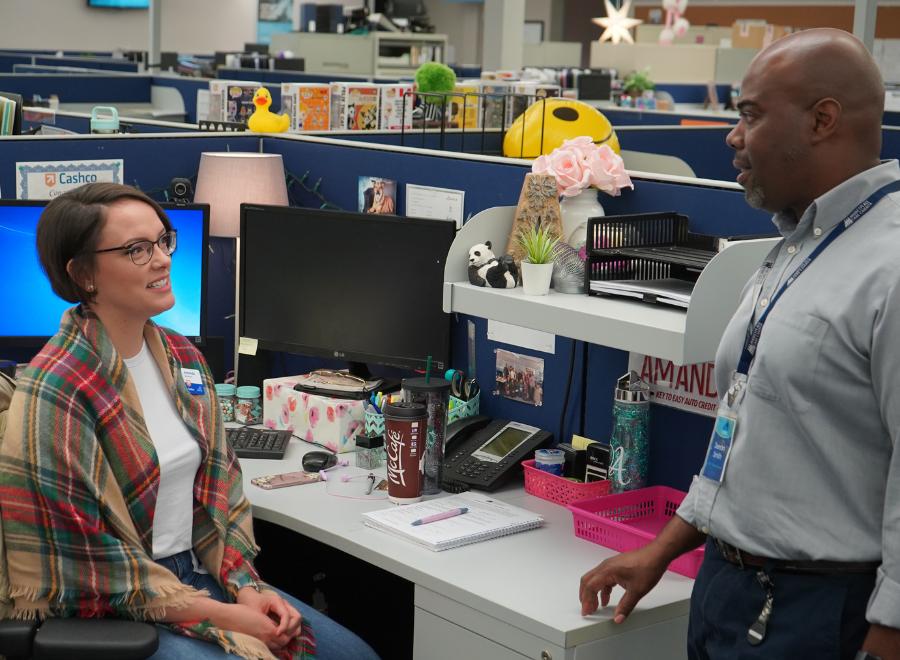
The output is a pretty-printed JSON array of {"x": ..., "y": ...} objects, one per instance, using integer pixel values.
[{"x": 799, "y": 496}]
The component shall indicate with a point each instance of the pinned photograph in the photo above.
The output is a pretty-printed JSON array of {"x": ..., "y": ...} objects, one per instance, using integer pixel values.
[
  {"x": 377, "y": 195},
  {"x": 520, "y": 377}
]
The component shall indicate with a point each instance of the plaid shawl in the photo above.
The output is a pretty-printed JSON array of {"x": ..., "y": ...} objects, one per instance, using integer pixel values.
[{"x": 78, "y": 485}]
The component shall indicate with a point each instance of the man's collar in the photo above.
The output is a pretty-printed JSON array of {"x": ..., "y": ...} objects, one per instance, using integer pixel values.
[{"x": 833, "y": 206}]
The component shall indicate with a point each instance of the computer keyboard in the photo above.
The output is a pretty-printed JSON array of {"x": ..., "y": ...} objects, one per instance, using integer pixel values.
[{"x": 257, "y": 443}]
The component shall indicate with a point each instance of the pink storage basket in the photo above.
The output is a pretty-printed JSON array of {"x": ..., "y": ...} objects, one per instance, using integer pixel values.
[
  {"x": 630, "y": 520},
  {"x": 556, "y": 489}
]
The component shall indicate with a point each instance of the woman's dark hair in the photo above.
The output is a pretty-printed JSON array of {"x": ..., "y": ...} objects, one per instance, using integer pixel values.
[{"x": 69, "y": 229}]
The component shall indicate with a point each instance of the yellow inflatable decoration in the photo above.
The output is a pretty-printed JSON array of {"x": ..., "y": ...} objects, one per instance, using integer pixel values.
[{"x": 561, "y": 120}]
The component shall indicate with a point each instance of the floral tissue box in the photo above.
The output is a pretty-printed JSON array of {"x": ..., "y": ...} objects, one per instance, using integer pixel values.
[{"x": 333, "y": 423}]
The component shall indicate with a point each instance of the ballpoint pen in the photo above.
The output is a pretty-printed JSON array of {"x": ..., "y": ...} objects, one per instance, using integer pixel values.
[{"x": 441, "y": 516}]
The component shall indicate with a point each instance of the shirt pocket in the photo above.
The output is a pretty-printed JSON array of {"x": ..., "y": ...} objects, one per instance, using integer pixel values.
[{"x": 787, "y": 363}]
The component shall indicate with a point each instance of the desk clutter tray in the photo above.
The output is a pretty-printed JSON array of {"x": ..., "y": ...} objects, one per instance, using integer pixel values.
[
  {"x": 645, "y": 247},
  {"x": 630, "y": 520},
  {"x": 559, "y": 489}
]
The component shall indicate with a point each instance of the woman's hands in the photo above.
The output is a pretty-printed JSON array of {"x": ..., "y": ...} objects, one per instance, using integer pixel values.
[{"x": 267, "y": 616}]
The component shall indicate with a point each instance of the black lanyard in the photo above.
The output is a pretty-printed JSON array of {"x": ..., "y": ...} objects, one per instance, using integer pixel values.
[{"x": 752, "y": 340}]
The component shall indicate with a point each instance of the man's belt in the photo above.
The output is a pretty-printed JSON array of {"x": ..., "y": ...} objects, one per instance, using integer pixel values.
[{"x": 743, "y": 559}]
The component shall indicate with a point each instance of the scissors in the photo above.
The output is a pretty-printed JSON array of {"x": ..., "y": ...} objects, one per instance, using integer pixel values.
[{"x": 460, "y": 387}]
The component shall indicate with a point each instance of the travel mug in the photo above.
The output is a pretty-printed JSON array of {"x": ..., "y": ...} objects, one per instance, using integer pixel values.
[
  {"x": 629, "y": 447},
  {"x": 404, "y": 440},
  {"x": 433, "y": 393}
]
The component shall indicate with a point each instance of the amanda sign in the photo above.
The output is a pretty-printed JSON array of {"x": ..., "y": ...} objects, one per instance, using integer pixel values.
[{"x": 690, "y": 387}]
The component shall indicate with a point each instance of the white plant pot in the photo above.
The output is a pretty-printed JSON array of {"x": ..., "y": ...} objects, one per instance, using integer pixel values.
[
  {"x": 536, "y": 278},
  {"x": 575, "y": 212}
]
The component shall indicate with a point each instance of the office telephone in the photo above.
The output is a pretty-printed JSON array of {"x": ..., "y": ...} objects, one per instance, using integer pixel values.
[{"x": 484, "y": 453}]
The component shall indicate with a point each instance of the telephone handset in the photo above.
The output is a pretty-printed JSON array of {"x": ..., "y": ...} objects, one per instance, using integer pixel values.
[{"x": 484, "y": 453}]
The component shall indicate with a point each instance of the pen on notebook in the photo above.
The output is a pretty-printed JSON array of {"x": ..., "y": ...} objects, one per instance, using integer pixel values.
[{"x": 441, "y": 516}]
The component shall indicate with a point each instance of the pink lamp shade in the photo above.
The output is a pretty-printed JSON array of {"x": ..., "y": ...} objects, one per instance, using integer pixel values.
[{"x": 226, "y": 179}]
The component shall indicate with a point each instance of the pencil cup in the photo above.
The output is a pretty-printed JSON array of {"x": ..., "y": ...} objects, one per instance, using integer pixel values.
[
  {"x": 460, "y": 408},
  {"x": 374, "y": 424}
]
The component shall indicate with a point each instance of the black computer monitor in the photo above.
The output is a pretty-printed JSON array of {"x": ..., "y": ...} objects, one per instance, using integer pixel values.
[
  {"x": 365, "y": 289},
  {"x": 262, "y": 49},
  {"x": 289, "y": 63},
  {"x": 399, "y": 8},
  {"x": 31, "y": 311},
  {"x": 17, "y": 113}
]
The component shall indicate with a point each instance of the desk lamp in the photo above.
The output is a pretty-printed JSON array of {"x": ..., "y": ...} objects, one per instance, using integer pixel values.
[{"x": 224, "y": 181}]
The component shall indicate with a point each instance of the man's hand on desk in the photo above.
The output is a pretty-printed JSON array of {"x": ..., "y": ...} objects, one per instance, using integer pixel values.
[{"x": 637, "y": 572}]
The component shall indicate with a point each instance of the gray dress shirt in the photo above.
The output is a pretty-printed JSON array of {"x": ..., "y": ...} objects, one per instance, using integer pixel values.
[{"x": 813, "y": 473}]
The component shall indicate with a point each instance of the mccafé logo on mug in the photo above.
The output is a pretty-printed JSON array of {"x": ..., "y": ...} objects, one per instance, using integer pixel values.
[{"x": 403, "y": 425}]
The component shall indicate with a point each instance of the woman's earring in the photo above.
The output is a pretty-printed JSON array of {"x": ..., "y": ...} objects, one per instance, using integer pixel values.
[{"x": 90, "y": 287}]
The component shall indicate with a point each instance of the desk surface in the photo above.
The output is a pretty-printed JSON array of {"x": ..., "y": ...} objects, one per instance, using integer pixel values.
[{"x": 529, "y": 580}]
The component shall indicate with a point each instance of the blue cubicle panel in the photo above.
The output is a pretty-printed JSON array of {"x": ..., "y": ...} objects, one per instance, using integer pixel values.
[
  {"x": 80, "y": 88},
  {"x": 278, "y": 77},
  {"x": 150, "y": 163},
  {"x": 105, "y": 64},
  {"x": 81, "y": 123},
  {"x": 9, "y": 60},
  {"x": 891, "y": 118},
  {"x": 692, "y": 92},
  {"x": 701, "y": 147}
]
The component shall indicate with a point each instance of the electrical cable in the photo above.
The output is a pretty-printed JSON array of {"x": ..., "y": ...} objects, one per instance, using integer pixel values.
[
  {"x": 565, "y": 406},
  {"x": 584, "y": 372}
]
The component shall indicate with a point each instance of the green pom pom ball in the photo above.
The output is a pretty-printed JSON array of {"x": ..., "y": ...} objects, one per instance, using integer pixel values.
[{"x": 435, "y": 77}]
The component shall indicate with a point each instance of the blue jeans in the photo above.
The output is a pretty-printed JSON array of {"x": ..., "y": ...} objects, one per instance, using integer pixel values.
[
  {"x": 813, "y": 616},
  {"x": 333, "y": 641}
]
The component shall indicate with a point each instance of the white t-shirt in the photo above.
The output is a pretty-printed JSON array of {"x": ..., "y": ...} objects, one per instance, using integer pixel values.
[{"x": 178, "y": 454}]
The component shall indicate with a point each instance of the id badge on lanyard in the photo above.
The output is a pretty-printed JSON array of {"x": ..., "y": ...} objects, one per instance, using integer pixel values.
[{"x": 722, "y": 439}]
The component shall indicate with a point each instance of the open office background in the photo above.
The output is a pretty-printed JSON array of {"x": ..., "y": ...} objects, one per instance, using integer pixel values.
[{"x": 151, "y": 161}]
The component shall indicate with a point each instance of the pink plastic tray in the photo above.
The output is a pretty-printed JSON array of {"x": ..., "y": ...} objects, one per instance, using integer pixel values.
[
  {"x": 559, "y": 490},
  {"x": 630, "y": 520}
]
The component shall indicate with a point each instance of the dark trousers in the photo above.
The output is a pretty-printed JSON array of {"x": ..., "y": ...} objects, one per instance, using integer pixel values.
[{"x": 813, "y": 616}]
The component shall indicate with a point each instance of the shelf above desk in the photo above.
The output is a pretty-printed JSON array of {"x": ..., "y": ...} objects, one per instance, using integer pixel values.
[{"x": 684, "y": 337}]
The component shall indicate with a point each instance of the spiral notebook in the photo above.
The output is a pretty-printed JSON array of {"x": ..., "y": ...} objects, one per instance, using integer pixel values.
[{"x": 486, "y": 518}]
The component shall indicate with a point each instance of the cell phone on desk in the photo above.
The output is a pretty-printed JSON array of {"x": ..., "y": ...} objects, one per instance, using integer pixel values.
[
  {"x": 485, "y": 453},
  {"x": 285, "y": 479}
]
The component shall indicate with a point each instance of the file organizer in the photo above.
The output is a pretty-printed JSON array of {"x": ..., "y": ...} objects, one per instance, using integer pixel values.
[{"x": 645, "y": 246}]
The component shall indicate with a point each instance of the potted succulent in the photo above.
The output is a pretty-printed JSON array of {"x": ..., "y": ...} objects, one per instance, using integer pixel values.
[{"x": 537, "y": 268}]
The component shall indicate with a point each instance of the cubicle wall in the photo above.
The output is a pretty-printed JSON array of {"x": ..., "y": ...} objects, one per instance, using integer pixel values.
[
  {"x": 80, "y": 87},
  {"x": 679, "y": 439}
]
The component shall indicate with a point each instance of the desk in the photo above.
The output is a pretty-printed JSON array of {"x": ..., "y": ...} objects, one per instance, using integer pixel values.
[{"x": 509, "y": 598}]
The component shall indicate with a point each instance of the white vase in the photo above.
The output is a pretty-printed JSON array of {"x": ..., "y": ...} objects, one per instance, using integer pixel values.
[
  {"x": 575, "y": 213},
  {"x": 536, "y": 278}
]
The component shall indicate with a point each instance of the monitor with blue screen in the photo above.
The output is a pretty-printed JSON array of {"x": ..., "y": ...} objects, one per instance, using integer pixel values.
[{"x": 31, "y": 311}]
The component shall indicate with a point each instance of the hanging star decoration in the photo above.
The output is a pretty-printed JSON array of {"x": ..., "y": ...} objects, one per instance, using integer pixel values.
[{"x": 616, "y": 24}]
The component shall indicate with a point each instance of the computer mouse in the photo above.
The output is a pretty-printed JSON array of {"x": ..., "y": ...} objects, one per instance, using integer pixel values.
[{"x": 313, "y": 461}]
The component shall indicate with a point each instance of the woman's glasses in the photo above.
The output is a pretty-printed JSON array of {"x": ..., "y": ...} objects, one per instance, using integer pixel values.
[{"x": 142, "y": 251}]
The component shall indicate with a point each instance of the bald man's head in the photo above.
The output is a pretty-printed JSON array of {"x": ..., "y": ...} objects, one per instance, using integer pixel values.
[
  {"x": 814, "y": 64},
  {"x": 811, "y": 107}
]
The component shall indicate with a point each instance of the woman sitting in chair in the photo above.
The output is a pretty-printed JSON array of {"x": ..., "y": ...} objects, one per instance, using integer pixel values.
[{"x": 120, "y": 496}]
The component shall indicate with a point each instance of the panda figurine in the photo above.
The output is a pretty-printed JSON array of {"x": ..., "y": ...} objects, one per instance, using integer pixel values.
[{"x": 485, "y": 269}]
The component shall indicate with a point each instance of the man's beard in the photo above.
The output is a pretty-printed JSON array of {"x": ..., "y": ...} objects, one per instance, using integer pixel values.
[{"x": 755, "y": 196}]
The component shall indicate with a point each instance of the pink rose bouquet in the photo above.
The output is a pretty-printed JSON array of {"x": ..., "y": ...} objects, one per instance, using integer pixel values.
[{"x": 579, "y": 163}]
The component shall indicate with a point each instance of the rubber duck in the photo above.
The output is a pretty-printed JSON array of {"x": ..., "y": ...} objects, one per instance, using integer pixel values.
[{"x": 264, "y": 121}]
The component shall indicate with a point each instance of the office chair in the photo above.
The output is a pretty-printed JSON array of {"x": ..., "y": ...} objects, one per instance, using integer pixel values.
[{"x": 71, "y": 639}]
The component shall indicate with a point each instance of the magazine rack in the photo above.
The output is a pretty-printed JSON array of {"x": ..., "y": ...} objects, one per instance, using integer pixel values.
[{"x": 682, "y": 336}]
